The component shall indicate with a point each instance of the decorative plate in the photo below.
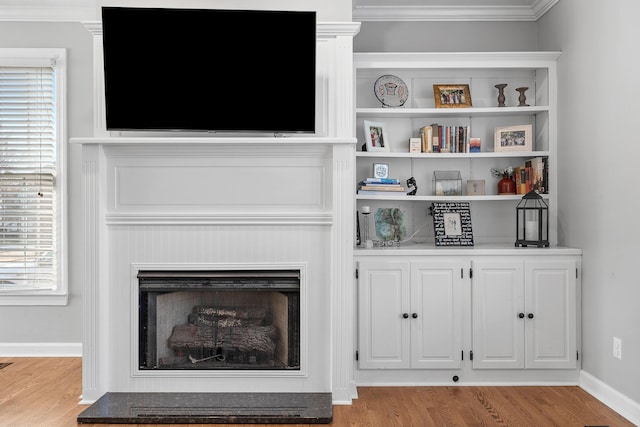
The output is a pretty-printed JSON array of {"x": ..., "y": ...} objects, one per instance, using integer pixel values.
[{"x": 391, "y": 91}]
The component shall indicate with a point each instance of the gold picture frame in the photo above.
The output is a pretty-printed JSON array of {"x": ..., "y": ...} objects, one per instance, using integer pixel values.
[
  {"x": 452, "y": 96},
  {"x": 513, "y": 138}
]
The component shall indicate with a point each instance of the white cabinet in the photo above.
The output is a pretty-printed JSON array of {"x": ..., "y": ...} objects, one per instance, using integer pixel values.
[
  {"x": 410, "y": 314},
  {"x": 436, "y": 299},
  {"x": 524, "y": 314},
  {"x": 492, "y": 213},
  {"x": 383, "y": 314}
]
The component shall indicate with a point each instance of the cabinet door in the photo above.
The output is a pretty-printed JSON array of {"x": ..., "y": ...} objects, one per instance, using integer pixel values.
[
  {"x": 550, "y": 306},
  {"x": 436, "y": 315},
  {"x": 497, "y": 292},
  {"x": 383, "y": 297}
]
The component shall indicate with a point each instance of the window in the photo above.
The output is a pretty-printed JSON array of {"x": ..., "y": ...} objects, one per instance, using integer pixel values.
[{"x": 32, "y": 232}]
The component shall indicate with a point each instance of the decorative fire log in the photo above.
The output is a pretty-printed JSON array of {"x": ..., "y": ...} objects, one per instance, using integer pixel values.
[
  {"x": 251, "y": 341},
  {"x": 227, "y": 316}
]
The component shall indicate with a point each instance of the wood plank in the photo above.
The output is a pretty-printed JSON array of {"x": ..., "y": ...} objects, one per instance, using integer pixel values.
[{"x": 46, "y": 392}]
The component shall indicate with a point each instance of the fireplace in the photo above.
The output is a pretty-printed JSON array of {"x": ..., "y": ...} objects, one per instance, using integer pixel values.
[
  {"x": 219, "y": 320},
  {"x": 161, "y": 233}
]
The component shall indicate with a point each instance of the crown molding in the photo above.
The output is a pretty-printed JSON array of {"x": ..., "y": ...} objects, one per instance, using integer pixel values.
[
  {"x": 46, "y": 14},
  {"x": 532, "y": 12},
  {"x": 453, "y": 12}
]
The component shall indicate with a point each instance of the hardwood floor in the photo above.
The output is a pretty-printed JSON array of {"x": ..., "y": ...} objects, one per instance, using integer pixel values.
[{"x": 46, "y": 392}]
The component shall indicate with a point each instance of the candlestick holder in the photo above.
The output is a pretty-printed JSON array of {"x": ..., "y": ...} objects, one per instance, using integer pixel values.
[
  {"x": 501, "y": 97},
  {"x": 522, "y": 98}
]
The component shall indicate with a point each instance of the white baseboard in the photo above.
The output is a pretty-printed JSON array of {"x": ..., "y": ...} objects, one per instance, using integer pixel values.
[
  {"x": 610, "y": 397},
  {"x": 41, "y": 349}
]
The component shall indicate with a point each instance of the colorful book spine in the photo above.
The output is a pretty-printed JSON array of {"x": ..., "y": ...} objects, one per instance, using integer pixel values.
[
  {"x": 426, "y": 133},
  {"x": 382, "y": 187},
  {"x": 380, "y": 181},
  {"x": 447, "y": 139}
]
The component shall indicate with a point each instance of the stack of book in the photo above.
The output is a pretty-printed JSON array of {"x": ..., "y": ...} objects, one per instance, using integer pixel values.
[
  {"x": 446, "y": 139},
  {"x": 533, "y": 175},
  {"x": 380, "y": 186}
]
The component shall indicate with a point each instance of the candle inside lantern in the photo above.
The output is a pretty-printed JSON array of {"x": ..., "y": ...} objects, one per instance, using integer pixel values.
[
  {"x": 365, "y": 210},
  {"x": 531, "y": 230}
]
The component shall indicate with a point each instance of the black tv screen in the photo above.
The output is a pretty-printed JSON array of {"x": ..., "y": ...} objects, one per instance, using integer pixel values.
[{"x": 209, "y": 69}]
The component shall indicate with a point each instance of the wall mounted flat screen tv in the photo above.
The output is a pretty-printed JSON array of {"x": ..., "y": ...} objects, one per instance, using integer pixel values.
[{"x": 209, "y": 70}]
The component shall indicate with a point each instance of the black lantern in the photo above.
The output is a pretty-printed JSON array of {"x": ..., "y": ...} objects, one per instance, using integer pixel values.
[{"x": 532, "y": 221}]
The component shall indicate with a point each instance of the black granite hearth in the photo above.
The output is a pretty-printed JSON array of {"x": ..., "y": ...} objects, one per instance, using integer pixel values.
[{"x": 209, "y": 408}]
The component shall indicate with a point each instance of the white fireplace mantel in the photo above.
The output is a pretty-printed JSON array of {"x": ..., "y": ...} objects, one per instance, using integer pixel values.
[
  {"x": 165, "y": 202},
  {"x": 210, "y": 200}
]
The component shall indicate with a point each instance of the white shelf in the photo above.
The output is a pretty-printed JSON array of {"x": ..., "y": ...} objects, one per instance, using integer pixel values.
[
  {"x": 387, "y": 154},
  {"x": 505, "y": 249},
  {"x": 449, "y": 112},
  {"x": 405, "y": 198}
]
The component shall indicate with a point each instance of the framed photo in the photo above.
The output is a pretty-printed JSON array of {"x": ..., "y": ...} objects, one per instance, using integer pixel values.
[
  {"x": 475, "y": 187},
  {"x": 415, "y": 145},
  {"x": 513, "y": 138},
  {"x": 374, "y": 133},
  {"x": 452, "y": 224},
  {"x": 452, "y": 96}
]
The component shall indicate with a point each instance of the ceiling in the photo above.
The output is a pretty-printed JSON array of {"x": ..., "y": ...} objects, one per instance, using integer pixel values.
[
  {"x": 363, "y": 10},
  {"x": 450, "y": 10}
]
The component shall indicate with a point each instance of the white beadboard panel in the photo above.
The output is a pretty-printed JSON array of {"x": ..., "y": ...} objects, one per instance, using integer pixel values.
[
  {"x": 218, "y": 181},
  {"x": 192, "y": 247},
  {"x": 220, "y": 186}
]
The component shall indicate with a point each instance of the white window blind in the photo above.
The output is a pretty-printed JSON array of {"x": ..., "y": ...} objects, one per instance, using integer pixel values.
[{"x": 27, "y": 179}]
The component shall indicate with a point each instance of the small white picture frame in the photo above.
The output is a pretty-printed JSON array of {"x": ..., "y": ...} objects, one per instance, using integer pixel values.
[
  {"x": 381, "y": 170},
  {"x": 475, "y": 187},
  {"x": 375, "y": 136},
  {"x": 513, "y": 138}
]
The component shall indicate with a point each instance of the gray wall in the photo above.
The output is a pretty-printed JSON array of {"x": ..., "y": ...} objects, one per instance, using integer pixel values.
[
  {"x": 599, "y": 148},
  {"x": 47, "y": 324},
  {"x": 446, "y": 36},
  {"x": 63, "y": 324}
]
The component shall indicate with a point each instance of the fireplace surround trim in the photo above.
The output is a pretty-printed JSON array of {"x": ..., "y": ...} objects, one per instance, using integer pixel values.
[{"x": 136, "y": 372}]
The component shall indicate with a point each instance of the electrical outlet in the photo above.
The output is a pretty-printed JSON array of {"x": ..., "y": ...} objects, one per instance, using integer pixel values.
[{"x": 617, "y": 348}]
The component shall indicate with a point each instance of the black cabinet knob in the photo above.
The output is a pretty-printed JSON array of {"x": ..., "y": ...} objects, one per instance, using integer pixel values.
[
  {"x": 521, "y": 315},
  {"x": 414, "y": 315},
  {"x": 405, "y": 315},
  {"x": 530, "y": 315}
]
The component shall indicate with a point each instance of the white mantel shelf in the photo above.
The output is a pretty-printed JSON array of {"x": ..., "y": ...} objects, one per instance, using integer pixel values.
[{"x": 180, "y": 140}]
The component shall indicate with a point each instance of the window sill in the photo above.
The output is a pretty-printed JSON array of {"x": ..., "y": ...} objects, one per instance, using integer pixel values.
[{"x": 33, "y": 299}]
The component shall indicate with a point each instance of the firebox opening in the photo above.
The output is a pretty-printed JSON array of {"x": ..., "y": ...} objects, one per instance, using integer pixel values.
[{"x": 210, "y": 320}]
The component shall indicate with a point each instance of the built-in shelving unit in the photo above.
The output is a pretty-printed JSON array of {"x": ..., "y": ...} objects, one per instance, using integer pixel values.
[
  {"x": 493, "y": 215},
  {"x": 458, "y": 313}
]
